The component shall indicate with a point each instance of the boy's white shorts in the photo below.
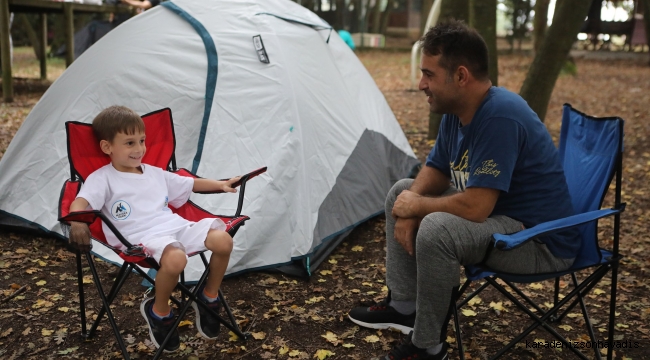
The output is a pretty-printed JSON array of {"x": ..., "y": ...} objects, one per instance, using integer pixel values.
[{"x": 191, "y": 238}]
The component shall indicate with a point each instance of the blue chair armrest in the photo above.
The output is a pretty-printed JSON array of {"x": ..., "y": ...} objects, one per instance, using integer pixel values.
[{"x": 507, "y": 242}]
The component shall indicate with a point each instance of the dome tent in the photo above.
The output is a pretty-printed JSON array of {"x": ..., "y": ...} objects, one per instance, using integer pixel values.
[{"x": 250, "y": 84}]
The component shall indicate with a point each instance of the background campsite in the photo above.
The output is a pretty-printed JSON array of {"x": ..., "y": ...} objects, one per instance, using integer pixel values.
[{"x": 298, "y": 318}]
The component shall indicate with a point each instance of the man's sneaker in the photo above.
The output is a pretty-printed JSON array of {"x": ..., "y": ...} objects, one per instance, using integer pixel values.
[
  {"x": 382, "y": 316},
  {"x": 207, "y": 325},
  {"x": 408, "y": 351},
  {"x": 158, "y": 329}
]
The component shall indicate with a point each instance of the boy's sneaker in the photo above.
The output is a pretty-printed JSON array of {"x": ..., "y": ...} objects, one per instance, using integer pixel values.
[
  {"x": 207, "y": 325},
  {"x": 408, "y": 351},
  {"x": 382, "y": 316},
  {"x": 158, "y": 329}
]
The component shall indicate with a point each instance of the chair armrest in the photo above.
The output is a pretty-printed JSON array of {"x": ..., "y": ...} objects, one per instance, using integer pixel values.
[
  {"x": 507, "y": 242},
  {"x": 86, "y": 216},
  {"x": 243, "y": 180},
  {"x": 89, "y": 216}
]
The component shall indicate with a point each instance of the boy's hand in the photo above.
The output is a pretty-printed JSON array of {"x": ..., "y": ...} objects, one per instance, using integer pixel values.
[
  {"x": 80, "y": 236},
  {"x": 227, "y": 185}
]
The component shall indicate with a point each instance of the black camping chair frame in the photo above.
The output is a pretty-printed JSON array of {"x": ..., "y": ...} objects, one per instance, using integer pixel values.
[
  {"x": 576, "y": 296},
  {"x": 126, "y": 269}
]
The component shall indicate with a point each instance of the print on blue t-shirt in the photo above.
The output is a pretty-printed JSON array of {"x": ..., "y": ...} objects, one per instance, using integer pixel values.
[{"x": 506, "y": 147}]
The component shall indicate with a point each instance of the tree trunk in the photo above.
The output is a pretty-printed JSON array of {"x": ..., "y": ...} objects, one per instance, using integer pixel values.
[
  {"x": 553, "y": 53},
  {"x": 449, "y": 9},
  {"x": 540, "y": 22},
  {"x": 483, "y": 18},
  {"x": 376, "y": 17},
  {"x": 424, "y": 14},
  {"x": 385, "y": 16},
  {"x": 31, "y": 34},
  {"x": 646, "y": 20},
  {"x": 456, "y": 9}
]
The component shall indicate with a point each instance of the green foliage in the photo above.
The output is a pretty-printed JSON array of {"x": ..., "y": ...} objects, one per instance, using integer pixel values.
[{"x": 569, "y": 68}]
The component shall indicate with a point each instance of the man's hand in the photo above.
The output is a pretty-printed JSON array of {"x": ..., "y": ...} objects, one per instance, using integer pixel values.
[
  {"x": 227, "y": 185},
  {"x": 405, "y": 230},
  {"x": 80, "y": 237},
  {"x": 406, "y": 205}
]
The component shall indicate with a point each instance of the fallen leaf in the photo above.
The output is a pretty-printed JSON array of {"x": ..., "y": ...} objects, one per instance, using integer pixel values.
[
  {"x": 474, "y": 301},
  {"x": 331, "y": 338},
  {"x": 536, "y": 286},
  {"x": 233, "y": 336},
  {"x": 348, "y": 345},
  {"x": 468, "y": 312},
  {"x": 326, "y": 272},
  {"x": 259, "y": 335},
  {"x": 41, "y": 283},
  {"x": 283, "y": 350},
  {"x": 357, "y": 248},
  {"x": 46, "y": 332},
  {"x": 294, "y": 353},
  {"x": 371, "y": 339},
  {"x": 322, "y": 354}
]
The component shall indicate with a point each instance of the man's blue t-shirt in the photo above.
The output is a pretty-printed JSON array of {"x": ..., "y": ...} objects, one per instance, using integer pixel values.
[{"x": 506, "y": 147}]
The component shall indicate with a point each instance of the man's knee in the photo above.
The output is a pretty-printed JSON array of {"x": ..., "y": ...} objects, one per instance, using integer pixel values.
[
  {"x": 397, "y": 189},
  {"x": 434, "y": 233}
]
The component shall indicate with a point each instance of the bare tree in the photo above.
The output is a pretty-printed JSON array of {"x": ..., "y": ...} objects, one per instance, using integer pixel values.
[
  {"x": 483, "y": 17},
  {"x": 553, "y": 52},
  {"x": 540, "y": 22}
]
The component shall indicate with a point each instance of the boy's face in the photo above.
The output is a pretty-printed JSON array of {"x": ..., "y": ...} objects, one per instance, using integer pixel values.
[{"x": 126, "y": 151}]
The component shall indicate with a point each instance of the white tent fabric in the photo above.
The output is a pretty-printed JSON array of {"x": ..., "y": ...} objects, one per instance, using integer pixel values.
[{"x": 302, "y": 115}]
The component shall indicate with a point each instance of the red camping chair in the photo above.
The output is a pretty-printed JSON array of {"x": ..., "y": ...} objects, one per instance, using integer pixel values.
[{"x": 85, "y": 156}]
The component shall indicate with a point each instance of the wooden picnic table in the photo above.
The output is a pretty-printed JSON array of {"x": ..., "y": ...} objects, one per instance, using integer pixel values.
[{"x": 44, "y": 7}]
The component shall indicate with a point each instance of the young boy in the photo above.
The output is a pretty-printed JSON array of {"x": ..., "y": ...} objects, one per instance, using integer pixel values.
[{"x": 135, "y": 197}]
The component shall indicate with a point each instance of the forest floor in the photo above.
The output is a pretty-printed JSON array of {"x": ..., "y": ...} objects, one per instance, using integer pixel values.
[{"x": 293, "y": 318}]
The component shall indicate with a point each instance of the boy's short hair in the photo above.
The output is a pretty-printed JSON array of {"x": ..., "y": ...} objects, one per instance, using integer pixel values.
[
  {"x": 116, "y": 119},
  {"x": 458, "y": 44}
]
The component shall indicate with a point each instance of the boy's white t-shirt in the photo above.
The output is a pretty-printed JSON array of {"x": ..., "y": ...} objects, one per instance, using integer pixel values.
[{"x": 137, "y": 204}]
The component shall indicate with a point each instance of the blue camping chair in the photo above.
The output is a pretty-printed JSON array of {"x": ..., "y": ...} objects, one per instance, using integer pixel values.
[{"x": 591, "y": 151}]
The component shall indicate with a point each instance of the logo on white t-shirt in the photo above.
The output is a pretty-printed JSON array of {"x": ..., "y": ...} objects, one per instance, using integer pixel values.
[
  {"x": 166, "y": 205},
  {"x": 120, "y": 210}
]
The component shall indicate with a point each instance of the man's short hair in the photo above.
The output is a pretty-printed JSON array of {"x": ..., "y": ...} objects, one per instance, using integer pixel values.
[
  {"x": 459, "y": 45},
  {"x": 116, "y": 119}
]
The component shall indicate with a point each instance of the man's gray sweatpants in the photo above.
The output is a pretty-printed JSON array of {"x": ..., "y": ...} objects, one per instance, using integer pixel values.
[{"x": 443, "y": 243}]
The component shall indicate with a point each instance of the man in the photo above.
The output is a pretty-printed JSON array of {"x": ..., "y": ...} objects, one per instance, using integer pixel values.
[
  {"x": 494, "y": 169},
  {"x": 142, "y": 5}
]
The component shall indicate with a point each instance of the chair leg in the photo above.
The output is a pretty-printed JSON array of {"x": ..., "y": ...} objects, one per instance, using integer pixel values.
[
  {"x": 234, "y": 328},
  {"x": 184, "y": 309},
  {"x": 117, "y": 285},
  {"x": 537, "y": 321},
  {"x": 612, "y": 312},
  {"x": 106, "y": 305},
  {"x": 453, "y": 308},
  {"x": 523, "y": 296},
  {"x": 556, "y": 298},
  {"x": 585, "y": 314},
  {"x": 592, "y": 281},
  {"x": 82, "y": 301}
]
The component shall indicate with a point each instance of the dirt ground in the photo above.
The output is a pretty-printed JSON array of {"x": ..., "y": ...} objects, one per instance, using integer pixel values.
[{"x": 305, "y": 319}]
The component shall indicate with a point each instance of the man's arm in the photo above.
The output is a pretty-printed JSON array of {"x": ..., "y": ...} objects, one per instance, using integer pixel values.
[
  {"x": 430, "y": 182},
  {"x": 146, "y": 4},
  {"x": 474, "y": 204}
]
